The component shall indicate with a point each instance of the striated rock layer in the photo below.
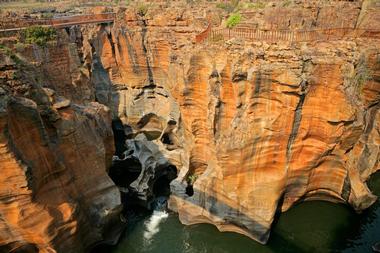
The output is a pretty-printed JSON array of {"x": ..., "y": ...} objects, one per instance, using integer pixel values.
[
  {"x": 251, "y": 128},
  {"x": 55, "y": 147}
]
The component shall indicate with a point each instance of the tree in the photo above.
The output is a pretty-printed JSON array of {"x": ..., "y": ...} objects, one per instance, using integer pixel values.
[{"x": 233, "y": 20}]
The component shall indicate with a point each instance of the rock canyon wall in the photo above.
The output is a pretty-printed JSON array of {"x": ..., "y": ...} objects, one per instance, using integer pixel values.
[
  {"x": 248, "y": 128},
  {"x": 56, "y": 145}
]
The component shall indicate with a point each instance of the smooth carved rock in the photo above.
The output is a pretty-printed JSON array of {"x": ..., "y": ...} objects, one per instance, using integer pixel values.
[
  {"x": 262, "y": 126},
  {"x": 83, "y": 196},
  {"x": 154, "y": 167},
  {"x": 258, "y": 126},
  {"x": 54, "y": 187}
]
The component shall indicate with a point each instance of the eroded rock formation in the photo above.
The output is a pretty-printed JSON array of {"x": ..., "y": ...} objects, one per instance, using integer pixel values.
[
  {"x": 250, "y": 127},
  {"x": 55, "y": 148},
  {"x": 260, "y": 126}
]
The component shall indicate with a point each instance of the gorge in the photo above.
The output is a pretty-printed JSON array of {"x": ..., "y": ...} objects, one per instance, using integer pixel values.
[{"x": 106, "y": 120}]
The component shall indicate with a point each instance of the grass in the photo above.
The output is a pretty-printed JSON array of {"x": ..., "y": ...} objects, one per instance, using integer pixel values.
[{"x": 233, "y": 20}]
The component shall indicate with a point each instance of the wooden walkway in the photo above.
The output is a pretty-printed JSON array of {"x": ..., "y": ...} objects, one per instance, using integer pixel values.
[
  {"x": 60, "y": 22},
  {"x": 250, "y": 34}
]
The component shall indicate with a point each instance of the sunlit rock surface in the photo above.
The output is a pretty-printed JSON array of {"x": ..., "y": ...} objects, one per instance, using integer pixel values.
[
  {"x": 251, "y": 128},
  {"x": 259, "y": 126},
  {"x": 55, "y": 149}
]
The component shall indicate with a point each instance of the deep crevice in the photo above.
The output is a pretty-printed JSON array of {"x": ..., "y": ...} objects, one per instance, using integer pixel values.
[
  {"x": 161, "y": 186},
  {"x": 296, "y": 121},
  {"x": 119, "y": 137},
  {"x": 189, "y": 190},
  {"x": 167, "y": 139},
  {"x": 124, "y": 172},
  {"x": 127, "y": 170},
  {"x": 109, "y": 36},
  {"x": 145, "y": 50}
]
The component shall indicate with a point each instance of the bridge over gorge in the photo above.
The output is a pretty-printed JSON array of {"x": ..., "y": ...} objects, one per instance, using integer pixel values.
[
  {"x": 9, "y": 26},
  {"x": 252, "y": 34}
]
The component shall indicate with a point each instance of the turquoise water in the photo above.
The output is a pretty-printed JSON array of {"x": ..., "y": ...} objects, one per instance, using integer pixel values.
[{"x": 309, "y": 227}]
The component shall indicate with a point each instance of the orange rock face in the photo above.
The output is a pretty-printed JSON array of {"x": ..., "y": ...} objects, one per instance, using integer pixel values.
[
  {"x": 252, "y": 128},
  {"x": 259, "y": 127},
  {"x": 267, "y": 135},
  {"x": 54, "y": 153}
]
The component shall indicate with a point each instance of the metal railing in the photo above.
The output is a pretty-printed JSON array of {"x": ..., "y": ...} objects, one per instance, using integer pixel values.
[
  {"x": 22, "y": 23},
  {"x": 203, "y": 35},
  {"x": 217, "y": 34}
]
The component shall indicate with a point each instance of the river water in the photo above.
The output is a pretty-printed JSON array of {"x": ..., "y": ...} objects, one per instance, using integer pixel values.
[{"x": 308, "y": 227}]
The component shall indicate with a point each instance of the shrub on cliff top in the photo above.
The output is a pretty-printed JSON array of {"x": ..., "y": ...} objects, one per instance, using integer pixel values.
[
  {"x": 142, "y": 9},
  {"x": 39, "y": 35},
  {"x": 233, "y": 20}
]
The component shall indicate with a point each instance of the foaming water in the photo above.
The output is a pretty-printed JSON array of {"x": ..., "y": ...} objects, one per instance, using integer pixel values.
[{"x": 152, "y": 225}]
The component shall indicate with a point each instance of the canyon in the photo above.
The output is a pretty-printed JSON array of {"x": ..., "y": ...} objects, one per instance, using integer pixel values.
[{"x": 232, "y": 131}]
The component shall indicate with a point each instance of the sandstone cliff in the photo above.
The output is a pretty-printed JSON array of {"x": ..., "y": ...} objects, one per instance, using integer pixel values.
[
  {"x": 252, "y": 127},
  {"x": 56, "y": 144},
  {"x": 249, "y": 128}
]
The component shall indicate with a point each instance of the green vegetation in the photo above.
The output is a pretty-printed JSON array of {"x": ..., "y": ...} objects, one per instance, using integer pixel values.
[
  {"x": 192, "y": 2},
  {"x": 257, "y": 5},
  {"x": 15, "y": 59},
  {"x": 15, "y": 75},
  {"x": 362, "y": 74},
  {"x": 191, "y": 179},
  {"x": 10, "y": 54},
  {"x": 228, "y": 7},
  {"x": 47, "y": 15},
  {"x": 233, "y": 20},
  {"x": 39, "y": 35},
  {"x": 19, "y": 46},
  {"x": 286, "y": 3},
  {"x": 142, "y": 9}
]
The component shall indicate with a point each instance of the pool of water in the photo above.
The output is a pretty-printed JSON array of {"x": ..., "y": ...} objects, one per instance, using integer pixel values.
[{"x": 308, "y": 227}]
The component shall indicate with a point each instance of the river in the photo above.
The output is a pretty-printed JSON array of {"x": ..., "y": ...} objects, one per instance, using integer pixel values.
[{"x": 314, "y": 226}]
